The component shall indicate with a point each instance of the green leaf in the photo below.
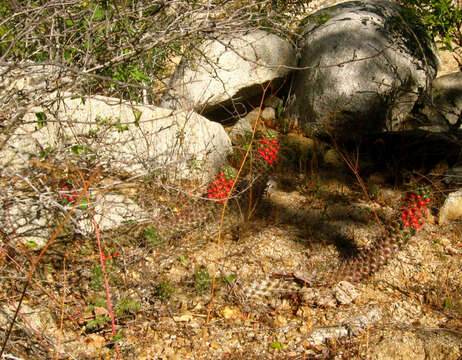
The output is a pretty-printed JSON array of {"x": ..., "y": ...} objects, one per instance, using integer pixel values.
[
  {"x": 83, "y": 203},
  {"x": 229, "y": 278},
  {"x": 41, "y": 119},
  {"x": 93, "y": 132},
  {"x": 118, "y": 336},
  {"x": 91, "y": 324},
  {"x": 129, "y": 222},
  {"x": 121, "y": 128},
  {"x": 99, "y": 14},
  {"x": 152, "y": 237},
  {"x": 138, "y": 75},
  {"x": 276, "y": 345},
  {"x": 77, "y": 149},
  {"x": 31, "y": 244},
  {"x": 99, "y": 320},
  {"x": 43, "y": 153},
  {"x": 447, "y": 303},
  {"x": 68, "y": 55},
  {"x": 183, "y": 260},
  {"x": 137, "y": 114},
  {"x": 100, "y": 302}
]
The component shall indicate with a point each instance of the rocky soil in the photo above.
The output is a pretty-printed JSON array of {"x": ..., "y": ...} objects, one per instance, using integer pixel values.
[{"x": 187, "y": 297}]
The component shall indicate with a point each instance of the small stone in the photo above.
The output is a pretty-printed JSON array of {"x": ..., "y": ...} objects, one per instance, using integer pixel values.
[
  {"x": 273, "y": 102},
  {"x": 94, "y": 342},
  {"x": 308, "y": 296},
  {"x": 184, "y": 318},
  {"x": 253, "y": 116},
  {"x": 239, "y": 129},
  {"x": 99, "y": 311},
  {"x": 268, "y": 116},
  {"x": 302, "y": 145},
  {"x": 229, "y": 312},
  {"x": 214, "y": 345},
  {"x": 280, "y": 321},
  {"x": 365, "y": 321},
  {"x": 305, "y": 312},
  {"x": 345, "y": 292},
  {"x": 325, "y": 298},
  {"x": 305, "y": 329},
  {"x": 320, "y": 336}
]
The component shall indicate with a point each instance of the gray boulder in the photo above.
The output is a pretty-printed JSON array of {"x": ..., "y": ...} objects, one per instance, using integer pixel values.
[
  {"x": 441, "y": 105},
  {"x": 363, "y": 66},
  {"x": 229, "y": 70}
]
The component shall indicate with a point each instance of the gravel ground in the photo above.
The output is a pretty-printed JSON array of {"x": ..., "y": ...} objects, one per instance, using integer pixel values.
[{"x": 165, "y": 307}]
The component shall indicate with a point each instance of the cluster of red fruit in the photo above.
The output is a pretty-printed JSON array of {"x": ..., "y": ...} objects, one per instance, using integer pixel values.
[
  {"x": 414, "y": 210},
  {"x": 68, "y": 195},
  {"x": 220, "y": 188},
  {"x": 110, "y": 256},
  {"x": 268, "y": 150}
]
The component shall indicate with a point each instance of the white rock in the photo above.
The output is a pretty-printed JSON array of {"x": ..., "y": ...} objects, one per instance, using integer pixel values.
[
  {"x": 240, "y": 128},
  {"x": 268, "y": 114},
  {"x": 229, "y": 69},
  {"x": 359, "y": 323},
  {"x": 133, "y": 139},
  {"x": 247, "y": 123},
  {"x": 33, "y": 224},
  {"x": 27, "y": 222},
  {"x": 320, "y": 336},
  {"x": 29, "y": 77},
  {"x": 350, "y": 327},
  {"x": 452, "y": 208},
  {"x": 39, "y": 318},
  {"x": 110, "y": 211}
]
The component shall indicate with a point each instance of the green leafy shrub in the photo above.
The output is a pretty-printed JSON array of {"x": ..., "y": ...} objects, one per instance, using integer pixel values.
[
  {"x": 164, "y": 290},
  {"x": 152, "y": 237},
  {"x": 202, "y": 280},
  {"x": 442, "y": 18},
  {"x": 126, "y": 306}
]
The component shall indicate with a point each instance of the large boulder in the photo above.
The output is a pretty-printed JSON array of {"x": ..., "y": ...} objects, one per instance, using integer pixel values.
[
  {"x": 135, "y": 140},
  {"x": 440, "y": 108},
  {"x": 86, "y": 133},
  {"x": 226, "y": 71},
  {"x": 363, "y": 64}
]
